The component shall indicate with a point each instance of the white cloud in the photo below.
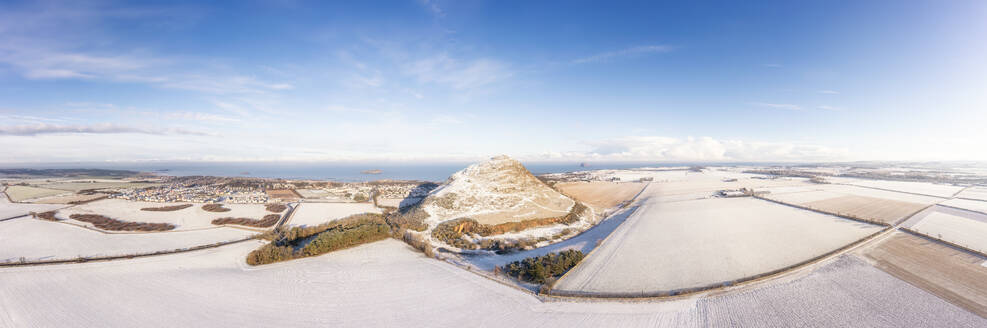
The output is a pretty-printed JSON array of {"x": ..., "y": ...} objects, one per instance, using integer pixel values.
[
  {"x": 828, "y": 92},
  {"x": 623, "y": 53},
  {"x": 830, "y": 108},
  {"x": 705, "y": 149},
  {"x": 773, "y": 65},
  {"x": 103, "y": 128},
  {"x": 777, "y": 106}
]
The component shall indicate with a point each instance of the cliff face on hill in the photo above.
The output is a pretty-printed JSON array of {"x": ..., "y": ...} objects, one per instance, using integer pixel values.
[{"x": 492, "y": 192}]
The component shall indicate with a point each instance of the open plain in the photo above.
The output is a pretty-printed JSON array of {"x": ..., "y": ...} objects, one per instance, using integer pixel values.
[
  {"x": 672, "y": 246},
  {"x": 388, "y": 284},
  {"x": 38, "y": 240}
]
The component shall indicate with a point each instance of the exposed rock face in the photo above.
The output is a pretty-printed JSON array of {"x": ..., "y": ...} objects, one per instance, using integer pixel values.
[{"x": 492, "y": 192}]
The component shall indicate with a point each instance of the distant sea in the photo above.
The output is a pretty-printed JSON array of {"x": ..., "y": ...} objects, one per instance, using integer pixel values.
[{"x": 348, "y": 172}]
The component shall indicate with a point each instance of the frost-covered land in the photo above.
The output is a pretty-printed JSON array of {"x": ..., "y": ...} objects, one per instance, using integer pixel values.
[
  {"x": 495, "y": 191},
  {"x": 385, "y": 284}
]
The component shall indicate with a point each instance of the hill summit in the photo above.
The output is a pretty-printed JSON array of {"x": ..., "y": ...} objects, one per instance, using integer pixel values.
[{"x": 495, "y": 191}]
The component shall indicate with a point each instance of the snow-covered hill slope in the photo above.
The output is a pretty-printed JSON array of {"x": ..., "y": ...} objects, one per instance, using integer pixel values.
[{"x": 496, "y": 191}]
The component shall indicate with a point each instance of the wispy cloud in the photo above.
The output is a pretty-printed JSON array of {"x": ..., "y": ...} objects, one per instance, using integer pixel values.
[
  {"x": 459, "y": 74},
  {"x": 39, "y": 129},
  {"x": 828, "y": 92},
  {"x": 433, "y": 7},
  {"x": 623, "y": 53},
  {"x": 830, "y": 108},
  {"x": 777, "y": 106},
  {"x": 773, "y": 65}
]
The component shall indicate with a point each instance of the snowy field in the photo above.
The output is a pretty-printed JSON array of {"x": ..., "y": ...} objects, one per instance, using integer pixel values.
[
  {"x": 22, "y": 193},
  {"x": 966, "y": 204},
  {"x": 185, "y": 219},
  {"x": 844, "y": 293},
  {"x": 317, "y": 213},
  {"x": 870, "y": 204},
  {"x": 671, "y": 246},
  {"x": 978, "y": 193},
  {"x": 924, "y": 188},
  {"x": 385, "y": 284},
  {"x": 36, "y": 239},
  {"x": 10, "y": 210},
  {"x": 76, "y": 186},
  {"x": 964, "y": 228}
]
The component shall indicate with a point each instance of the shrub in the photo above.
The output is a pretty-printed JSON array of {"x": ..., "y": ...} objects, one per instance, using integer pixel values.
[
  {"x": 267, "y": 221},
  {"x": 106, "y": 223},
  {"x": 217, "y": 208},
  {"x": 167, "y": 208},
  {"x": 540, "y": 269},
  {"x": 276, "y": 208},
  {"x": 48, "y": 216},
  {"x": 411, "y": 218}
]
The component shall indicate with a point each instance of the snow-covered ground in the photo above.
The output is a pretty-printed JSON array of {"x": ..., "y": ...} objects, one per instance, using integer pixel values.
[
  {"x": 190, "y": 218},
  {"x": 9, "y": 210},
  {"x": 964, "y": 228},
  {"x": 386, "y": 284},
  {"x": 35, "y": 239},
  {"x": 667, "y": 246},
  {"x": 317, "y": 213},
  {"x": 24, "y": 193},
  {"x": 966, "y": 204},
  {"x": 492, "y": 192},
  {"x": 924, "y": 188},
  {"x": 978, "y": 193}
]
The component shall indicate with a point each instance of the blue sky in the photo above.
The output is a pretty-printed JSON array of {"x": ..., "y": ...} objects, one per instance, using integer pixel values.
[{"x": 461, "y": 80}]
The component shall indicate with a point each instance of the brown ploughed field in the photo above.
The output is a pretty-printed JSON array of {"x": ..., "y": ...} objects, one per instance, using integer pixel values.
[
  {"x": 870, "y": 208},
  {"x": 600, "y": 194},
  {"x": 952, "y": 274}
]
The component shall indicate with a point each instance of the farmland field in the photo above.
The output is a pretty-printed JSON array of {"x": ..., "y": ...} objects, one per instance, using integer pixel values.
[
  {"x": 9, "y": 210},
  {"x": 22, "y": 193},
  {"x": 78, "y": 186},
  {"x": 317, "y": 213},
  {"x": 952, "y": 274},
  {"x": 970, "y": 205},
  {"x": 387, "y": 284},
  {"x": 599, "y": 194},
  {"x": 845, "y": 293},
  {"x": 35, "y": 239},
  {"x": 283, "y": 194},
  {"x": 964, "y": 228},
  {"x": 672, "y": 246},
  {"x": 923, "y": 188},
  {"x": 978, "y": 193},
  {"x": 185, "y": 219},
  {"x": 869, "y": 204}
]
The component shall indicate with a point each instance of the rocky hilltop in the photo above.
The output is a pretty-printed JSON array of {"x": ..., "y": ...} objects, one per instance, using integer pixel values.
[{"x": 496, "y": 191}]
